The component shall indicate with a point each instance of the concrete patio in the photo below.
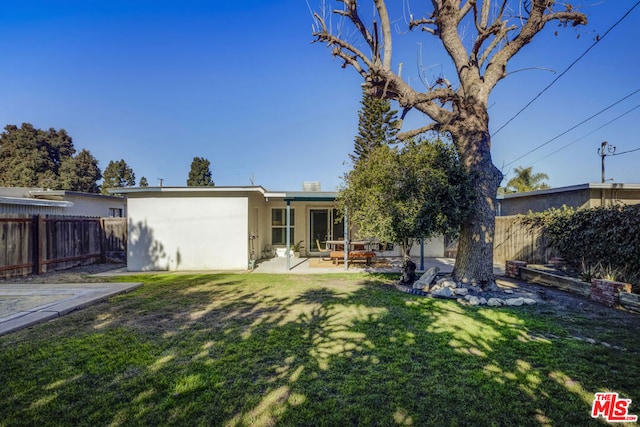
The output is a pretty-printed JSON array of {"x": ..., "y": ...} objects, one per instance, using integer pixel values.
[{"x": 380, "y": 265}]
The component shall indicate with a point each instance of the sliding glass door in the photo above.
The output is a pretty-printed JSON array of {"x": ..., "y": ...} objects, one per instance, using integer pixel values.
[{"x": 322, "y": 227}]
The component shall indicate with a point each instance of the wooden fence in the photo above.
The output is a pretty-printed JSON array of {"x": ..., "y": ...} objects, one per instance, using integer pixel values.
[
  {"x": 36, "y": 244},
  {"x": 514, "y": 241}
]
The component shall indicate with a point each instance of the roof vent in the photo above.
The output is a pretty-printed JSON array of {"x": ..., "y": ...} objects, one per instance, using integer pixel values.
[{"x": 311, "y": 186}]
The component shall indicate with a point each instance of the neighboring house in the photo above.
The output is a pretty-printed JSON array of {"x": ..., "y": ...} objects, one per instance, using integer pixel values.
[
  {"x": 575, "y": 196},
  {"x": 209, "y": 228},
  {"x": 33, "y": 201}
]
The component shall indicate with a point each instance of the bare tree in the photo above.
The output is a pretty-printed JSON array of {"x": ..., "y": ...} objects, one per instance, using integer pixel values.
[{"x": 495, "y": 33}]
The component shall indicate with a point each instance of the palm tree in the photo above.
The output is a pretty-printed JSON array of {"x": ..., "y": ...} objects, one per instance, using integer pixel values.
[{"x": 525, "y": 180}]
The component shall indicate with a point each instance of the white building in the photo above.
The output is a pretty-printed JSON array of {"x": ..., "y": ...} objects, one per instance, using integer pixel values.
[{"x": 224, "y": 228}]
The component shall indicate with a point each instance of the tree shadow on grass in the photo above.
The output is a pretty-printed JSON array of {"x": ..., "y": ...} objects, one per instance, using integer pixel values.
[{"x": 261, "y": 350}]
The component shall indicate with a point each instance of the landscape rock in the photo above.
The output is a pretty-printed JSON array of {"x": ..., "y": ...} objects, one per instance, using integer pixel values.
[
  {"x": 483, "y": 301},
  {"x": 515, "y": 301},
  {"x": 495, "y": 302},
  {"x": 529, "y": 301},
  {"x": 443, "y": 293},
  {"x": 425, "y": 280},
  {"x": 473, "y": 300},
  {"x": 461, "y": 291},
  {"x": 448, "y": 283}
]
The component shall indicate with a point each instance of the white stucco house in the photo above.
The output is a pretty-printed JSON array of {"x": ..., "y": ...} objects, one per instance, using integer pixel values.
[{"x": 224, "y": 228}]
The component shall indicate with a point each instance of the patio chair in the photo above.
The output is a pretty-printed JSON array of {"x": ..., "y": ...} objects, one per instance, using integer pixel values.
[{"x": 321, "y": 249}]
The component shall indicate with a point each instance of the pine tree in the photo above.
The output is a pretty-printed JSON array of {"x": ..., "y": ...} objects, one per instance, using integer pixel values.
[
  {"x": 118, "y": 174},
  {"x": 376, "y": 126},
  {"x": 80, "y": 173},
  {"x": 200, "y": 173},
  {"x": 143, "y": 182}
]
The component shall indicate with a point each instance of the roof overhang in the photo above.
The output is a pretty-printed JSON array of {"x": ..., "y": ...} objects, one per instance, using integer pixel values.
[
  {"x": 34, "y": 202},
  {"x": 303, "y": 196},
  {"x": 61, "y": 194}
]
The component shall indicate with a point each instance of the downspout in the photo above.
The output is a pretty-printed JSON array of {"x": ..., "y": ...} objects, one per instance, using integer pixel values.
[{"x": 288, "y": 235}]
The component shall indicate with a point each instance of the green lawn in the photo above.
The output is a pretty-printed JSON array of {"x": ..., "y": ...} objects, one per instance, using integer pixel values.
[{"x": 256, "y": 350}]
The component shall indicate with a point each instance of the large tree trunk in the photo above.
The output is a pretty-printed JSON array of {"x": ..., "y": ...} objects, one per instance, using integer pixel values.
[{"x": 474, "y": 259}]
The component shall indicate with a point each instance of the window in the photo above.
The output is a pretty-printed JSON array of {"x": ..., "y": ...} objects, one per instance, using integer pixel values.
[
  {"x": 115, "y": 212},
  {"x": 279, "y": 226}
]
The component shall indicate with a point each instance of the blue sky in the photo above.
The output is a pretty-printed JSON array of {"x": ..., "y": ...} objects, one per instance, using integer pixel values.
[{"x": 240, "y": 83}]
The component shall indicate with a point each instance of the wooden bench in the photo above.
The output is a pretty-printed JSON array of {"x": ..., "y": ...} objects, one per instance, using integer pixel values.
[{"x": 337, "y": 256}]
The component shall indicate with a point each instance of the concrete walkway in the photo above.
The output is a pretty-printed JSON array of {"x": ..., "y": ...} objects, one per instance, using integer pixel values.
[{"x": 24, "y": 305}]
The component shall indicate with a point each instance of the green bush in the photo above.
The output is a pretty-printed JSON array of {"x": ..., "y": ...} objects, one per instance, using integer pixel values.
[{"x": 601, "y": 242}]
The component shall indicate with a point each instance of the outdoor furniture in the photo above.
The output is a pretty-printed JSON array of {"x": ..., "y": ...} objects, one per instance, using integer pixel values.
[
  {"x": 320, "y": 248},
  {"x": 336, "y": 256},
  {"x": 326, "y": 249}
]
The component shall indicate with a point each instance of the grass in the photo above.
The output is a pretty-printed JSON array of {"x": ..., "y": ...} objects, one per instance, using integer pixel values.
[{"x": 334, "y": 350}]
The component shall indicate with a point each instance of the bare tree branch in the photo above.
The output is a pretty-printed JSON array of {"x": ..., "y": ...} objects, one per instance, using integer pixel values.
[
  {"x": 465, "y": 9},
  {"x": 386, "y": 32},
  {"x": 403, "y": 136},
  {"x": 423, "y": 23},
  {"x": 339, "y": 45},
  {"x": 537, "y": 18},
  {"x": 484, "y": 17},
  {"x": 352, "y": 14}
]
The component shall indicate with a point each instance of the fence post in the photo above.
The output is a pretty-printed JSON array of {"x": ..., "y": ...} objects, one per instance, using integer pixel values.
[
  {"x": 40, "y": 231},
  {"x": 103, "y": 244},
  {"x": 35, "y": 241}
]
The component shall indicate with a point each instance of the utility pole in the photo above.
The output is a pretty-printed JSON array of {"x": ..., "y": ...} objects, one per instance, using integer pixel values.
[
  {"x": 605, "y": 150},
  {"x": 161, "y": 180}
]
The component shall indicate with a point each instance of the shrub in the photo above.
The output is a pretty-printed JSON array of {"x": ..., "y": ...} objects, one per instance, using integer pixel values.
[{"x": 600, "y": 241}]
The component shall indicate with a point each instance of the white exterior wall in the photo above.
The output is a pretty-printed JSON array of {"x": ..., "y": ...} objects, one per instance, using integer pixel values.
[
  {"x": 433, "y": 248},
  {"x": 188, "y": 233},
  {"x": 90, "y": 205}
]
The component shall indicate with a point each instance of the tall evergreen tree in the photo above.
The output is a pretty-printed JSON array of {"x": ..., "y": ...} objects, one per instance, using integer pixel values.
[
  {"x": 80, "y": 173},
  {"x": 377, "y": 125},
  {"x": 31, "y": 157},
  {"x": 200, "y": 173},
  {"x": 143, "y": 182},
  {"x": 116, "y": 175}
]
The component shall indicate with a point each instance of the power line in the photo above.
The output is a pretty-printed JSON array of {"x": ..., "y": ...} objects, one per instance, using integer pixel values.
[
  {"x": 625, "y": 152},
  {"x": 572, "y": 128},
  {"x": 567, "y": 69},
  {"x": 586, "y": 135}
]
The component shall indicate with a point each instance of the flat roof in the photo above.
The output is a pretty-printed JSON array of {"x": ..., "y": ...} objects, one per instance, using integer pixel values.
[
  {"x": 286, "y": 195},
  {"x": 588, "y": 186},
  {"x": 215, "y": 189}
]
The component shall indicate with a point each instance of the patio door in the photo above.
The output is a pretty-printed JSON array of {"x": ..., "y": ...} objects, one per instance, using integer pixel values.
[{"x": 322, "y": 227}]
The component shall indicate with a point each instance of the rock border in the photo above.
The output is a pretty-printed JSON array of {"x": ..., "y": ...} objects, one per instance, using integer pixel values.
[{"x": 447, "y": 288}]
